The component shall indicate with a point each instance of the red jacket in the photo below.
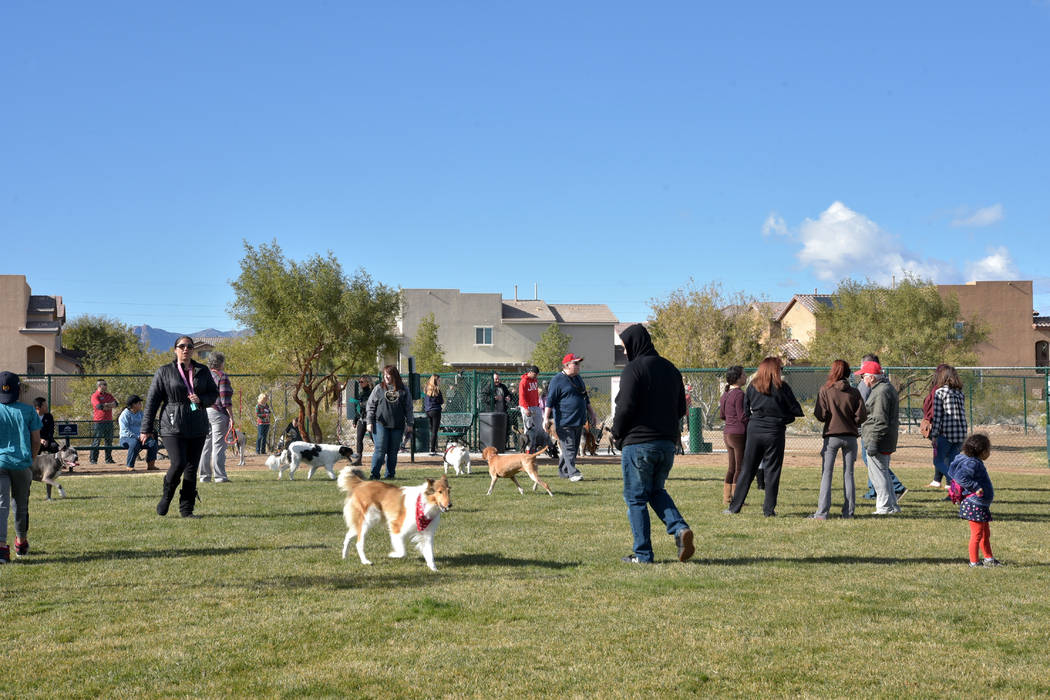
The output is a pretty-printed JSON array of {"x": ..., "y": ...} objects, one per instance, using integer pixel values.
[{"x": 528, "y": 392}]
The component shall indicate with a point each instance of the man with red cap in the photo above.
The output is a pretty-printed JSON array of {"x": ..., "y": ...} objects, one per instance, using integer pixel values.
[
  {"x": 879, "y": 434},
  {"x": 568, "y": 408}
]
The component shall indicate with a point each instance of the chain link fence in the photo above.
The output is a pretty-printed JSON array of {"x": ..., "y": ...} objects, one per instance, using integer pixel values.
[{"x": 1010, "y": 404}]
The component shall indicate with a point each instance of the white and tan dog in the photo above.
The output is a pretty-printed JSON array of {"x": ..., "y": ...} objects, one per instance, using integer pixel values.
[
  {"x": 408, "y": 510},
  {"x": 315, "y": 455},
  {"x": 457, "y": 456},
  {"x": 507, "y": 466}
]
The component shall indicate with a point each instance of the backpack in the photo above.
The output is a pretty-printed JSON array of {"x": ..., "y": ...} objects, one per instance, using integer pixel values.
[{"x": 955, "y": 492}]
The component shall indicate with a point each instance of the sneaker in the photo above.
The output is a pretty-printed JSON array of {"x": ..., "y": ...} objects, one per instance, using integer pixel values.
[
  {"x": 222, "y": 480},
  {"x": 5, "y": 554},
  {"x": 974, "y": 564},
  {"x": 992, "y": 561},
  {"x": 816, "y": 516},
  {"x": 194, "y": 516},
  {"x": 22, "y": 547},
  {"x": 683, "y": 539},
  {"x": 934, "y": 484},
  {"x": 631, "y": 559},
  {"x": 576, "y": 477},
  {"x": 901, "y": 495},
  {"x": 205, "y": 479}
]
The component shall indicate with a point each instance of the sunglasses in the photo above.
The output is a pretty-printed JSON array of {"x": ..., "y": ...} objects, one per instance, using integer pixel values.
[{"x": 184, "y": 346}]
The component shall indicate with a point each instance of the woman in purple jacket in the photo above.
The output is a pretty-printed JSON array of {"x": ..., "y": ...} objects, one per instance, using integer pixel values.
[{"x": 731, "y": 410}]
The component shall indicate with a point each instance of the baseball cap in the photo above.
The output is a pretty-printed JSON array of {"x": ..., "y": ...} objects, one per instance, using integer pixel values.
[
  {"x": 869, "y": 367},
  {"x": 571, "y": 358},
  {"x": 9, "y": 388}
]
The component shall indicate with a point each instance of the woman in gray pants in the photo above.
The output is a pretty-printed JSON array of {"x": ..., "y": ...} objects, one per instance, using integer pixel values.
[{"x": 841, "y": 409}]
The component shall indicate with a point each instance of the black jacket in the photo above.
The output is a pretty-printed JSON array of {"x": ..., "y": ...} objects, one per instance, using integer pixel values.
[
  {"x": 770, "y": 413},
  {"x": 651, "y": 400},
  {"x": 167, "y": 410}
]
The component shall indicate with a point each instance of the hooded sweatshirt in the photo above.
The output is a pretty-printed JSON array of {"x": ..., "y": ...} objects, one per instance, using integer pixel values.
[
  {"x": 651, "y": 400},
  {"x": 840, "y": 408}
]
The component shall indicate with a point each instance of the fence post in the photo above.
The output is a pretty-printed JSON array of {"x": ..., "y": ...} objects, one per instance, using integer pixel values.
[
  {"x": 1046, "y": 412},
  {"x": 49, "y": 392},
  {"x": 1024, "y": 393}
]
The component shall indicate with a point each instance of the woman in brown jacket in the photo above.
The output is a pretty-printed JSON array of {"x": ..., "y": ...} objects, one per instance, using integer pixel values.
[{"x": 841, "y": 409}]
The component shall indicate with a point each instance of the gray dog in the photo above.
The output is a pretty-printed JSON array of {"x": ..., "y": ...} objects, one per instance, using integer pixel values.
[{"x": 47, "y": 467}]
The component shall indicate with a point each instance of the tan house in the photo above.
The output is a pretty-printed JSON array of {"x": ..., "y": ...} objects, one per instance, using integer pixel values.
[
  {"x": 31, "y": 331},
  {"x": 1016, "y": 336},
  {"x": 487, "y": 331}
]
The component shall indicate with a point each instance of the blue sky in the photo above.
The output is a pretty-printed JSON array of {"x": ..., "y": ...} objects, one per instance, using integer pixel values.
[{"x": 605, "y": 151}]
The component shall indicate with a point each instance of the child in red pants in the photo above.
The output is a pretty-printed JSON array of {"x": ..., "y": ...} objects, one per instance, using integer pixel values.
[{"x": 968, "y": 470}]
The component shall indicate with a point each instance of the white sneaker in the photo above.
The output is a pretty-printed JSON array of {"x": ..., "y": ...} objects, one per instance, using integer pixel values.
[
  {"x": 576, "y": 477},
  {"x": 934, "y": 485}
]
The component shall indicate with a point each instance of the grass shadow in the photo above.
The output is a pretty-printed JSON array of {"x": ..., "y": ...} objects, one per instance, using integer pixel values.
[{"x": 132, "y": 554}]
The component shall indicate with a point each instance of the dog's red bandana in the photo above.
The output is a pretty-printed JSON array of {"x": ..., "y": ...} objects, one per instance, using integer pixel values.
[{"x": 422, "y": 521}]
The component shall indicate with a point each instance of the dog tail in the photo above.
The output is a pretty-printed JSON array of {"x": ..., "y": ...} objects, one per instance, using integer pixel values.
[{"x": 349, "y": 478}]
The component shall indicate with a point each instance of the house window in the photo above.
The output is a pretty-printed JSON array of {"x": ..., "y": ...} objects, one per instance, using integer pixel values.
[
  {"x": 483, "y": 335},
  {"x": 958, "y": 330}
]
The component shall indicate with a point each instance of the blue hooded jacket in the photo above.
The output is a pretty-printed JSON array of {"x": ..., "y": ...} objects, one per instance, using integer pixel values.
[{"x": 972, "y": 475}]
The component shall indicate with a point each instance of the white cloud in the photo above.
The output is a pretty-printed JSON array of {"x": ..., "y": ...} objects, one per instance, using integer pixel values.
[
  {"x": 774, "y": 224},
  {"x": 985, "y": 216},
  {"x": 842, "y": 243},
  {"x": 998, "y": 265}
]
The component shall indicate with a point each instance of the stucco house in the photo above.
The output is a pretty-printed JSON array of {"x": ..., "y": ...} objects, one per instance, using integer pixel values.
[
  {"x": 484, "y": 330},
  {"x": 31, "y": 331}
]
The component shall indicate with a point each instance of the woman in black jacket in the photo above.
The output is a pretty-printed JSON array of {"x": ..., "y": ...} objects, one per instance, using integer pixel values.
[
  {"x": 175, "y": 408},
  {"x": 769, "y": 405}
]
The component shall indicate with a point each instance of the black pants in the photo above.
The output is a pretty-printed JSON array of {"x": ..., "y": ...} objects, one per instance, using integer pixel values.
[
  {"x": 435, "y": 426},
  {"x": 184, "y": 453},
  {"x": 762, "y": 447},
  {"x": 362, "y": 428}
]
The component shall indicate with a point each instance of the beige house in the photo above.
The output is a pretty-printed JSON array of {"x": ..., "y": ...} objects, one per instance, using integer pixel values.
[
  {"x": 1016, "y": 336},
  {"x": 31, "y": 331},
  {"x": 487, "y": 331}
]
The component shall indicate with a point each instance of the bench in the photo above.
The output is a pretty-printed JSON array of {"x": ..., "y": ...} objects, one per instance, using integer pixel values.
[{"x": 455, "y": 426}]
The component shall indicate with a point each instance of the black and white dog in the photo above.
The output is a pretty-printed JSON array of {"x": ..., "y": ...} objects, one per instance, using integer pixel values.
[
  {"x": 47, "y": 467},
  {"x": 300, "y": 452}
]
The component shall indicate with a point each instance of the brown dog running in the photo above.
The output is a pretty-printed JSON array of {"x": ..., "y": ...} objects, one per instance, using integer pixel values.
[{"x": 506, "y": 466}]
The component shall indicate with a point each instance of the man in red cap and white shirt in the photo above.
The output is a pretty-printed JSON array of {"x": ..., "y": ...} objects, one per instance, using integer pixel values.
[
  {"x": 879, "y": 434},
  {"x": 570, "y": 406}
]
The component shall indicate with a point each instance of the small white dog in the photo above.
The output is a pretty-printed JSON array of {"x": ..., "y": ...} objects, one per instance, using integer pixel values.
[
  {"x": 300, "y": 452},
  {"x": 457, "y": 456}
]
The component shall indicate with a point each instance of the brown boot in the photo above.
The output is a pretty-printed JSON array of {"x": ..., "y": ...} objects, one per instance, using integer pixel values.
[
  {"x": 727, "y": 493},
  {"x": 151, "y": 466}
]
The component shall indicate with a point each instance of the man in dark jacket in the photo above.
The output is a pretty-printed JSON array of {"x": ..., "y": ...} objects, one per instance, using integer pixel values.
[{"x": 649, "y": 406}]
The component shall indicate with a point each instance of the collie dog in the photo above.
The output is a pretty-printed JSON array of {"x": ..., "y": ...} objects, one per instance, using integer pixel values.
[
  {"x": 408, "y": 510},
  {"x": 506, "y": 466}
]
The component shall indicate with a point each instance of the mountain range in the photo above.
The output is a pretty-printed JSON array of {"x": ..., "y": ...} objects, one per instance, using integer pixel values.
[{"x": 160, "y": 339}]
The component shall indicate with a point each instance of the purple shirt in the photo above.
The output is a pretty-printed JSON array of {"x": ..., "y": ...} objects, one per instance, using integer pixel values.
[{"x": 731, "y": 410}]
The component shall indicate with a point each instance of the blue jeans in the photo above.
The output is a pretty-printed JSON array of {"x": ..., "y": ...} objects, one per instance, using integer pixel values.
[
  {"x": 645, "y": 469},
  {"x": 570, "y": 445},
  {"x": 943, "y": 454},
  {"x": 260, "y": 440},
  {"x": 387, "y": 443},
  {"x": 133, "y": 446}
]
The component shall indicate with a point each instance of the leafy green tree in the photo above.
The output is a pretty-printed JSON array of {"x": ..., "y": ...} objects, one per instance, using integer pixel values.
[
  {"x": 909, "y": 325},
  {"x": 430, "y": 357},
  {"x": 312, "y": 316},
  {"x": 103, "y": 340},
  {"x": 702, "y": 327},
  {"x": 552, "y": 346}
]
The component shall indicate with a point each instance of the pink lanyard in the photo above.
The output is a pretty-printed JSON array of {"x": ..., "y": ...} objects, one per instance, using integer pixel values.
[{"x": 187, "y": 380}]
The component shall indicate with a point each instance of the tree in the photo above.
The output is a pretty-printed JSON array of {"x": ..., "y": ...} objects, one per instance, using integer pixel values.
[
  {"x": 552, "y": 346},
  {"x": 909, "y": 325},
  {"x": 319, "y": 321},
  {"x": 701, "y": 327},
  {"x": 430, "y": 357},
  {"x": 105, "y": 341}
]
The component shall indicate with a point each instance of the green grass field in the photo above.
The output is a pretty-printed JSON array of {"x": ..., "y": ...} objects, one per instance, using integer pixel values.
[{"x": 530, "y": 599}]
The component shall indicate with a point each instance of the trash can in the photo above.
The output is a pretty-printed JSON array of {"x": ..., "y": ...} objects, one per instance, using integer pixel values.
[
  {"x": 492, "y": 430},
  {"x": 421, "y": 434},
  {"x": 696, "y": 432}
]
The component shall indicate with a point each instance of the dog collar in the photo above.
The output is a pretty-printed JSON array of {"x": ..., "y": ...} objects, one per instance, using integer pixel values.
[{"x": 422, "y": 521}]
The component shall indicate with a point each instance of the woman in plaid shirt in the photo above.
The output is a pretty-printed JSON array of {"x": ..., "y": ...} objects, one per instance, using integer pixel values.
[{"x": 948, "y": 426}]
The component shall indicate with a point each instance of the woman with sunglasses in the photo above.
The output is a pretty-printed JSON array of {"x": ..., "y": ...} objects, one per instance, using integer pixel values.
[{"x": 175, "y": 408}]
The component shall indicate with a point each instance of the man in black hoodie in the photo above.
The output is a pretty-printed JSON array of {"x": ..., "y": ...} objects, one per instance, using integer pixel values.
[{"x": 649, "y": 406}]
